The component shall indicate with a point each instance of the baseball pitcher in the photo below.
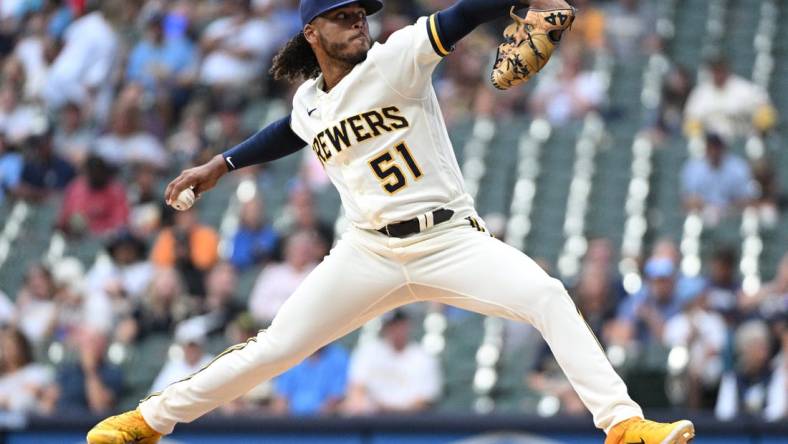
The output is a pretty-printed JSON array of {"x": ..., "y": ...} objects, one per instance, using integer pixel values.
[{"x": 370, "y": 114}]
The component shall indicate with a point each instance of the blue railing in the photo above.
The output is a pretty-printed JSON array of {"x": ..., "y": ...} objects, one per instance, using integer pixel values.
[{"x": 419, "y": 429}]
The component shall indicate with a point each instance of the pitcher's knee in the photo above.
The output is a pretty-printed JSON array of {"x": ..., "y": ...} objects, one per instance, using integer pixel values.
[
  {"x": 553, "y": 294},
  {"x": 552, "y": 287}
]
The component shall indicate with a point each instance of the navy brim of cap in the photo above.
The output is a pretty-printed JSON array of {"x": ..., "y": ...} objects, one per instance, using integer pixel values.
[{"x": 371, "y": 6}]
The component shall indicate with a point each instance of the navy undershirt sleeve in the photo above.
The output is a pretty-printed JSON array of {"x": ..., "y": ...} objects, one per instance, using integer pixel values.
[
  {"x": 273, "y": 142},
  {"x": 458, "y": 20}
]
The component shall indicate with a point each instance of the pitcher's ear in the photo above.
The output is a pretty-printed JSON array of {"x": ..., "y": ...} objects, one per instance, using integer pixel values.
[{"x": 310, "y": 34}]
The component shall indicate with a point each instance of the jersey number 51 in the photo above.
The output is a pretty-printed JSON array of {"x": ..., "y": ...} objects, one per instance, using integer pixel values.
[{"x": 389, "y": 172}]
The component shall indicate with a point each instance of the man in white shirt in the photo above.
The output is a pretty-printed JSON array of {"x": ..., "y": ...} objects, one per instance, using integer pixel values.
[
  {"x": 728, "y": 105},
  {"x": 392, "y": 374},
  {"x": 236, "y": 45},
  {"x": 753, "y": 387},
  {"x": 188, "y": 359},
  {"x": 82, "y": 70}
]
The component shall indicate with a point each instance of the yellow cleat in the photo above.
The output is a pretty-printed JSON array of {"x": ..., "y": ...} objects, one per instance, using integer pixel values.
[
  {"x": 126, "y": 428},
  {"x": 642, "y": 431}
]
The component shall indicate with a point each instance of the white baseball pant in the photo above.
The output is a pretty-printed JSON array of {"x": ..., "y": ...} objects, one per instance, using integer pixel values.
[{"x": 367, "y": 274}]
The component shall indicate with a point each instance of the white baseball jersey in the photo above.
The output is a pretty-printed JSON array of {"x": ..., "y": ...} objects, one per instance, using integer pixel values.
[{"x": 380, "y": 134}]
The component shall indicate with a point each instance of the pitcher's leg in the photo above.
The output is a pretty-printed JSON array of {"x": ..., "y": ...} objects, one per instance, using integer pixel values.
[
  {"x": 350, "y": 287},
  {"x": 478, "y": 273}
]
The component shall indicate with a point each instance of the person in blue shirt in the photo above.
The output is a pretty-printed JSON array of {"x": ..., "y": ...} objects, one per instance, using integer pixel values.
[
  {"x": 11, "y": 164},
  {"x": 315, "y": 386},
  {"x": 44, "y": 171},
  {"x": 159, "y": 62},
  {"x": 256, "y": 240},
  {"x": 718, "y": 183},
  {"x": 90, "y": 383},
  {"x": 656, "y": 302}
]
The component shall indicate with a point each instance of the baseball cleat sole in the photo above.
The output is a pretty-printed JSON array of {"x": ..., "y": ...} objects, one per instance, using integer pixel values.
[{"x": 683, "y": 433}]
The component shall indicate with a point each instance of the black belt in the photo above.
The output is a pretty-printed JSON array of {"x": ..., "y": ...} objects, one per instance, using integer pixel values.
[{"x": 413, "y": 226}]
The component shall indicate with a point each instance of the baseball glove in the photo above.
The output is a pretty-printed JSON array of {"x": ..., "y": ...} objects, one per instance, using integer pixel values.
[{"x": 530, "y": 41}]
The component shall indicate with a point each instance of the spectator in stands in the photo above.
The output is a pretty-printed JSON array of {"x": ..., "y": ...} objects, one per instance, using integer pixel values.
[
  {"x": 770, "y": 198},
  {"x": 256, "y": 240},
  {"x": 147, "y": 206},
  {"x": 160, "y": 63},
  {"x": 588, "y": 28},
  {"x": 285, "y": 14},
  {"x": 771, "y": 300},
  {"x": 34, "y": 52},
  {"x": 22, "y": 381},
  {"x": 462, "y": 83},
  {"x": 95, "y": 202},
  {"x": 163, "y": 306},
  {"x": 36, "y": 307},
  {"x": 111, "y": 286},
  {"x": 278, "y": 281},
  {"x": 90, "y": 384},
  {"x": 315, "y": 386},
  {"x": 44, "y": 172},
  {"x": 300, "y": 215},
  {"x": 752, "y": 387},
  {"x": 703, "y": 333},
  {"x": 676, "y": 88},
  {"x": 82, "y": 71},
  {"x": 728, "y": 105},
  {"x": 60, "y": 15},
  {"x": 219, "y": 307},
  {"x": 718, "y": 183},
  {"x": 600, "y": 253},
  {"x": 72, "y": 137},
  {"x": 236, "y": 46},
  {"x": 13, "y": 73},
  {"x": 19, "y": 120},
  {"x": 645, "y": 312},
  {"x": 189, "y": 246},
  {"x": 392, "y": 374},
  {"x": 185, "y": 144},
  {"x": 128, "y": 143},
  {"x": 68, "y": 274},
  {"x": 723, "y": 287},
  {"x": 666, "y": 248},
  {"x": 189, "y": 360},
  {"x": 630, "y": 26},
  {"x": 11, "y": 164},
  {"x": 227, "y": 126},
  {"x": 570, "y": 94},
  {"x": 778, "y": 405},
  {"x": 595, "y": 298}
]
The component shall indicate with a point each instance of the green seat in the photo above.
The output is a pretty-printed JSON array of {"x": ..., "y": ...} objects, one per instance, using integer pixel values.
[
  {"x": 141, "y": 366},
  {"x": 458, "y": 362}
]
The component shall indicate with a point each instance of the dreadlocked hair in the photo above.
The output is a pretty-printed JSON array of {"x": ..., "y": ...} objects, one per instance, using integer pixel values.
[{"x": 295, "y": 61}]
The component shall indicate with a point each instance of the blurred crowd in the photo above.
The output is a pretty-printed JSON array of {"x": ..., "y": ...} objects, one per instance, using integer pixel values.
[{"x": 101, "y": 102}]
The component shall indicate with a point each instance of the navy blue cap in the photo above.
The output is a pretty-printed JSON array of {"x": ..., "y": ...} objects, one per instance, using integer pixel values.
[{"x": 310, "y": 9}]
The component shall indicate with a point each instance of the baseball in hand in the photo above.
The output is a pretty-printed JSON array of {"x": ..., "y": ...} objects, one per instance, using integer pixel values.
[{"x": 184, "y": 201}]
